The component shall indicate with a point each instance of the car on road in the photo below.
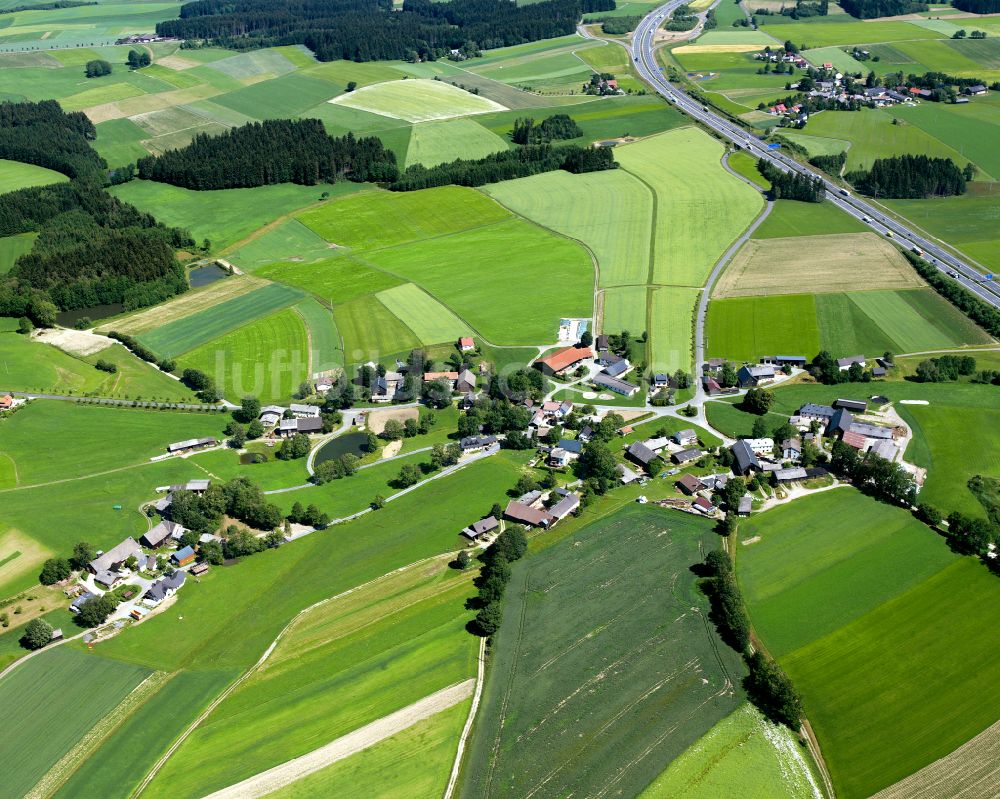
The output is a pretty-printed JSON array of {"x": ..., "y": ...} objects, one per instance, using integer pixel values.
[
  {"x": 866, "y": 219},
  {"x": 845, "y": 192},
  {"x": 889, "y": 233}
]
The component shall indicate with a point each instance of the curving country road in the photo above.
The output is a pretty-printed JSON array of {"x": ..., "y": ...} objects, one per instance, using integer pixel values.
[{"x": 642, "y": 50}]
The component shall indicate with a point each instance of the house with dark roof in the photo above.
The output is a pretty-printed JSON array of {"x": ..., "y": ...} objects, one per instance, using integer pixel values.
[
  {"x": 685, "y": 437},
  {"x": 564, "y": 507},
  {"x": 161, "y": 533},
  {"x": 839, "y": 423},
  {"x": 622, "y": 387},
  {"x": 745, "y": 459},
  {"x": 304, "y": 411},
  {"x": 816, "y": 413},
  {"x": 790, "y": 475},
  {"x": 80, "y": 601},
  {"x": 846, "y": 363},
  {"x": 791, "y": 449},
  {"x": 689, "y": 484},
  {"x": 602, "y": 342},
  {"x": 163, "y": 588},
  {"x": 854, "y": 406},
  {"x": 527, "y": 515},
  {"x": 641, "y": 454},
  {"x": 661, "y": 380},
  {"x": 745, "y": 506},
  {"x": 785, "y": 360},
  {"x": 477, "y": 443},
  {"x": 711, "y": 385},
  {"x": 482, "y": 527},
  {"x": 871, "y": 431},
  {"x": 310, "y": 425},
  {"x": 115, "y": 558},
  {"x": 620, "y": 367},
  {"x": 749, "y": 376},
  {"x": 685, "y": 455}
]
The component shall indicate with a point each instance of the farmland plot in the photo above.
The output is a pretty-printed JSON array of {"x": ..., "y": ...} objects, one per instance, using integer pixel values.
[
  {"x": 417, "y": 100},
  {"x": 604, "y": 669}
]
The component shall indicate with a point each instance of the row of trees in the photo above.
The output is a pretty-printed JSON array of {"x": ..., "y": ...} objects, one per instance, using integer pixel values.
[
  {"x": 43, "y": 134},
  {"x": 979, "y": 311},
  {"x": 557, "y": 126},
  {"x": 947, "y": 368},
  {"x": 869, "y": 9},
  {"x": 873, "y": 474},
  {"x": 273, "y": 151},
  {"x": 912, "y": 177},
  {"x": 791, "y": 185},
  {"x": 509, "y": 546},
  {"x": 978, "y": 6},
  {"x": 368, "y": 30},
  {"x": 506, "y": 165}
]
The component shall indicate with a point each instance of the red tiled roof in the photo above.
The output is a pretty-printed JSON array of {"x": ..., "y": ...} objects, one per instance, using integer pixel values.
[
  {"x": 561, "y": 359},
  {"x": 855, "y": 440}
]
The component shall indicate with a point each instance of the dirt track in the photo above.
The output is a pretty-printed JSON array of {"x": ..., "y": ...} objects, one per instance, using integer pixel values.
[{"x": 274, "y": 778}]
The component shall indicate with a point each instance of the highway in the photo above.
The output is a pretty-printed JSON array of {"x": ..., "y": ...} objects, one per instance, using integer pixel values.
[{"x": 642, "y": 51}]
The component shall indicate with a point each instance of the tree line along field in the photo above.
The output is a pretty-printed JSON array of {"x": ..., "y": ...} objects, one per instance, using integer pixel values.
[
  {"x": 604, "y": 669},
  {"x": 908, "y": 655}
]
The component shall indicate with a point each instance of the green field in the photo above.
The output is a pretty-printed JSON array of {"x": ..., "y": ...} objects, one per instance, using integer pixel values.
[
  {"x": 15, "y": 175},
  {"x": 288, "y": 241},
  {"x": 334, "y": 280},
  {"x": 790, "y": 218},
  {"x": 610, "y": 212},
  {"x": 825, "y": 34},
  {"x": 52, "y": 719},
  {"x": 744, "y": 328},
  {"x": 671, "y": 328},
  {"x": 185, "y": 334},
  {"x": 224, "y": 464},
  {"x": 325, "y": 346},
  {"x": 340, "y": 666},
  {"x": 966, "y": 128},
  {"x": 84, "y": 429},
  {"x": 82, "y": 26},
  {"x": 384, "y": 219},
  {"x": 417, "y": 100},
  {"x": 433, "y": 143},
  {"x": 267, "y": 358},
  {"x": 765, "y": 760},
  {"x": 413, "y": 764},
  {"x": 604, "y": 669},
  {"x": 682, "y": 167},
  {"x": 429, "y": 320},
  {"x": 13, "y": 247},
  {"x": 370, "y": 331},
  {"x": 624, "y": 308}
]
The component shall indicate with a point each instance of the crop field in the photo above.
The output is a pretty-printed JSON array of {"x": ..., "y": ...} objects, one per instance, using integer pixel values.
[
  {"x": 610, "y": 212},
  {"x": 429, "y": 320},
  {"x": 288, "y": 241},
  {"x": 15, "y": 175},
  {"x": 791, "y": 218},
  {"x": 744, "y": 749},
  {"x": 743, "y": 329},
  {"x": 872, "y": 675},
  {"x": 624, "y": 308},
  {"x": 413, "y": 764},
  {"x": 818, "y": 264},
  {"x": 326, "y": 348},
  {"x": 825, "y": 34},
  {"x": 13, "y": 247},
  {"x": 340, "y": 666},
  {"x": 551, "y": 66},
  {"x": 224, "y": 464},
  {"x": 872, "y": 135},
  {"x": 386, "y": 219},
  {"x": 417, "y": 100},
  {"x": 671, "y": 327},
  {"x": 370, "y": 331},
  {"x": 962, "y": 127},
  {"x": 199, "y": 328},
  {"x": 224, "y": 216},
  {"x": 700, "y": 208},
  {"x": 334, "y": 280},
  {"x": 595, "y": 626},
  {"x": 19, "y": 555},
  {"x": 433, "y": 143},
  {"x": 495, "y": 301},
  {"x": 51, "y": 719},
  {"x": 268, "y": 358},
  {"x": 138, "y": 435},
  {"x": 85, "y": 25},
  {"x": 803, "y": 581},
  {"x": 117, "y": 767}
]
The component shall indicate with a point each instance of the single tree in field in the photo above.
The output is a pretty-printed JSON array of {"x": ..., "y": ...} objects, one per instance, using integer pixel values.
[
  {"x": 37, "y": 633},
  {"x": 54, "y": 570},
  {"x": 83, "y": 553}
]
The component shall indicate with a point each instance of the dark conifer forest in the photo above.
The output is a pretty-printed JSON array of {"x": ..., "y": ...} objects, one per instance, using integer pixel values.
[
  {"x": 44, "y": 135},
  {"x": 910, "y": 177}
]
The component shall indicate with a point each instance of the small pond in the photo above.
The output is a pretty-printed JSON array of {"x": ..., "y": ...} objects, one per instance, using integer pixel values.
[
  {"x": 204, "y": 275},
  {"x": 94, "y": 313},
  {"x": 352, "y": 443}
]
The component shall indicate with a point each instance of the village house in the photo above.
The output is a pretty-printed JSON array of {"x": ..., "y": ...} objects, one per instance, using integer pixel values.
[
  {"x": 689, "y": 484},
  {"x": 480, "y": 528},
  {"x": 846, "y": 363},
  {"x": 190, "y": 444},
  {"x": 6, "y": 402},
  {"x": 626, "y": 475},
  {"x": 816, "y": 413},
  {"x": 323, "y": 385},
  {"x": 466, "y": 344},
  {"x": 745, "y": 460},
  {"x": 586, "y": 433},
  {"x": 304, "y": 411},
  {"x": 762, "y": 447},
  {"x": 839, "y": 423},
  {"x": 451, "y": 378},
  {"x": 711, "y": 385},
  {"x": 602, "y": 342},
  {"x": 854, "y": 406},
  {"x": 471, "y": 444},
  {"x": 622, "y": 387},
  {"x": 80, "y": 601},
  {"x": 871, "y": 430},
  {"x": 114, "y": 558},
  {"x": 790, "y": 475},
  {"x": 194, "y": 486},
  {"x": 163, "y": 588},
  {"x": 164, "y": 532},
  {"x": 311, "y": 425},
  {"x": 466, "y": 382},
  {"x": 107, "y": 579},
  {"x": 785, "y": 360},
  {"x": 791, "y": 449},
  {"x": 270, "y": 415},
  {"x": 182, "y": 557},
  {"x": 565, "y": 452},
  {"x": 561, "y": 361},
  {"x": 703, "y": 505},
  {"x": 385, "y": 387},
  {"x": 641, "y": 454},
  {"x": 686, "y": 437},
  {"x": 618, "y": 368},
  {"x": 288, "y": 428},
  {"x": 564, "y": 507},
  {"x": 686, "y": 455},
  {"x": 527, "y": 515},
  {"x": 853, "y": 440},
  {"x": 884, "y": 448},
  {"x": 749, "y": 375},
  {"x": 657, "y": 444},
  {"x": 745, "y": 506},
  {"x": 661, "y": 380}
]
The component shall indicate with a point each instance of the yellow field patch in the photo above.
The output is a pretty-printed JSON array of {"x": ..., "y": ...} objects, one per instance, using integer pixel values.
[
  {"x": 816, "y": 265},
  {"x": 148, "y": 103},
  {"x": 30, "y": 555},
  {"x": 188, "y": 303},
  {"x": 376, "y": 420},
  {"x": 718, "y": 48},
  {"x": 177, "y": 63}
]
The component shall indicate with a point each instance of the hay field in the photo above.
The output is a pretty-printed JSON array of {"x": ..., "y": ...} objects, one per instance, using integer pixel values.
[
  {"x": 16, "y": 175},
  {"x": 815, "y": 265},
  {"x": 624, "y": 308},
  {"x": 604, "y": 668},
  {"x": 417, "y": 100},
  {"x": 745, "y": 328},
  {"x": 671, "y": 319},
  {"x": 610, "y": 212},
  {"x": 433, "y": 143},
  {"x": 432, "y": 322},
  {"x": 792, "y": 218},
  {"x": 700, "y": 208},
  {"x": 334, "y": 280},
  {"x": 326, "y": 347},
  {"x": 13, "y": 247},
  {"x": 370, "y": 331},
  {"x": 268, "y": 358},
  {"x": 288, "y": 241}
]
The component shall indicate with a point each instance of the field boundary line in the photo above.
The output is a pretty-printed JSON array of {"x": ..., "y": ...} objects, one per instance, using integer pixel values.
[
  {"x": 346, "y": 745},
  {"x": 467, "y": 729},
  {"x": 253, "y": 669}
]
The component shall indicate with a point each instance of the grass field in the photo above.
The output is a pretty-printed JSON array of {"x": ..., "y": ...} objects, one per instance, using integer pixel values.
[
  {"x": 334, "y": 280},
  {"x": 138, "y": 435},
  {"x": 15, "y": 175},
  {"x": 596, "y": 628},
  {"x": 417, "y": 100},
  {"x": 199, "y": 328},
  {"x": 267, "y": 358},
  {"x": 288, "y": 241},
  {"x": 413, "y": 764},
  {"x": 624, "y": 308},
  {"x": 326, "y": 348},
  {"x": 817, "y": 264},
  {"x": 384, "y": 219},
  {"x": 791, "y": 218},
  {"x": 962, "y": 127},
  {"x": 765, "y": 760},
  {"x": 52, "y": 719},
  {"x": 429, "y": 320},
  {"x": 370, "y": 331},
  {"x": 825, "y": 34},
  {"x": 520, "y": 303},
  {"x": 224, "y": 464},
  {"x": 610, "y": 212},
  {"x": 13, "y": 247},
  {"x": 692, "y": 189},
  {"x": 745, "y": 328},
  {"x": 340, "y": 666},
  {"x": 433, "y": 143},
  {"x": 671, "y": 327},
  {"x": 224, "y": 216}
]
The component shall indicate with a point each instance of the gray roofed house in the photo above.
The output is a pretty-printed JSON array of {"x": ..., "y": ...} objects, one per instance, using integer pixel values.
[
  {"x": 585, "y": 434},
  {"x": 685, "y": 437},
  {"x": 840, "y": 422},
  {"x": 195, "y": 486},
  {"x": 819, "y": 413},
  {"x": 785, "y": 360},
  {"x": 871, "y": 430},
  {"x": 481, "y": 527},
  {"x": 745, "y": 506},
  {"x": 533, "y": 498},
  {"x": 565, "y": 506},
  {"x": 107, "y": 578},
  {"x": 746, "y": 460},
  {"x": 309, "y": 425},
  {"x": 626, "y": 475},
  {"x": 288, "y": 427},
  {"x": 855, "y": 406},
  {"x": 164, "y": 588},
  {"x": 846, "y": 363},
  {"x": 466, "y": 382},
  {"x": 641, "y": 454},
  {"x": 190, "y": 443},
  {"x": 80, "y": 601},
  {"x": 113, "y": 559},
  {"x": 270, "y": 415},
  {"x": 304, "y": 411},
  {"x": 791, "y": 449},
  {"x": 661, "y": 380},
  {"x": 163, "y": 505},
  {"x": 572, "y": 445},
  {"x": 749, "y": 375},
  {"x": 477, "y": 443},
  {"x": 164, "y": 530},
  {"x": 885, "y": 448},
  {"x": 686, "y": 455},
  {"x": 618, "y": 368},
  {"x": 614, "y": 384},
  {"x": 790, "y": 475},
  {"x": 607, "y": 358}
]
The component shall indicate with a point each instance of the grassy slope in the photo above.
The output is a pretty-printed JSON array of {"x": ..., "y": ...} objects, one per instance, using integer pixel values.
[
  {"x": 590, "y": 631},
  {"x": 744, "y": 328},
  {"x": 324, "y": 338},
  {"x": 790, "y": 218},
  {"x": 433, "y": 143},
  {"x": 15, "y": 175},
  {"x": 432, "y": 322}
]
